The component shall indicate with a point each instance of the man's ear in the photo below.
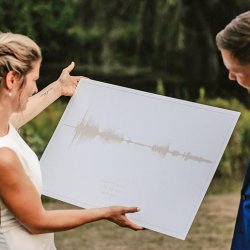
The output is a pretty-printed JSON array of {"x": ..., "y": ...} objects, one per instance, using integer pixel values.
[{"x": 11, "y": 79}]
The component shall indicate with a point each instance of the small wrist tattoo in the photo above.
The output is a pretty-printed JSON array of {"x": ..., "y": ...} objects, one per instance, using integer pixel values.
[{"x": 46, "y": 92}]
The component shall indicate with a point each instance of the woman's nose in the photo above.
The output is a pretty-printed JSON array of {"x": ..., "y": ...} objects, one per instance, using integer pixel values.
[{"x": 35, "y": 91}]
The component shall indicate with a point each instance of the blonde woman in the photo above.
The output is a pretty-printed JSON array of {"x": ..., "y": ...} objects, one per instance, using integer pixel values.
[{"x": 25, "y": 224}]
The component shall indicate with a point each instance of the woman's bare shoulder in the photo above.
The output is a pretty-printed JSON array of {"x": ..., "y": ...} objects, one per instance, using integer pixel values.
[
  {"x": 11, "y": 170},
  {"x": 8, "y": 159}
]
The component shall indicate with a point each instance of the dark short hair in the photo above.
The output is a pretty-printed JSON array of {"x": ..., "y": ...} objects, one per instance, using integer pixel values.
[{"x": 235, "y": 37}]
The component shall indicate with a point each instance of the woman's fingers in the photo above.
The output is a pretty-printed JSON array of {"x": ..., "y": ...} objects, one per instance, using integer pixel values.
[
  {"x": 68, "y": 70},
  {"x": 132, "y": 209},
  {"x": 70, "y": 67},
  {"x": 129, "y": 223},
  {"x": 118, "y": 215},
  {"x": 134, "y": 226},
  {"x": 78, "y": 78}
]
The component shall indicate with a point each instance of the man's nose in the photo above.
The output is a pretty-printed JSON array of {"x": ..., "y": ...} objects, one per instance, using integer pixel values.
[{"x": 231, "y": 76}]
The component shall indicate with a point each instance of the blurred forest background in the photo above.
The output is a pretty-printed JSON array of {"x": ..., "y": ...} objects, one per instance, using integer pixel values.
[{"x": 161, "y": 46}]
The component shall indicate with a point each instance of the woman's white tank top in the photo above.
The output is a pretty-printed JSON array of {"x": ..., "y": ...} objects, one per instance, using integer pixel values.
[{"x": 12, "y": 234}]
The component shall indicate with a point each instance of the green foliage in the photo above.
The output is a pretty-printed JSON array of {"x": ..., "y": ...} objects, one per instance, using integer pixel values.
[
  {"x": 160, "y": 89},
  {"x": 38, "y": 132},
  {"x": 237, "y": 152},
  {"x": 47, "y": 22},
  {"x": 173, "y": 39}
]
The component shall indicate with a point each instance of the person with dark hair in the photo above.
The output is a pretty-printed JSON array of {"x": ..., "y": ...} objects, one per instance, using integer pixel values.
[
  {"x": 234, "y": 44},
  {"x": 24, "y": 223}
]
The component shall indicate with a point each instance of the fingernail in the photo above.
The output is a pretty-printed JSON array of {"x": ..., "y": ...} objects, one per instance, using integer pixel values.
[{"x": 138, "y": 209}]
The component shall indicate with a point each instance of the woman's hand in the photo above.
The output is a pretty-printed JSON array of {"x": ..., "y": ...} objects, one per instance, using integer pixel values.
[
  {"x": 67, "y": 82},
  {"x": 117, "y": 214}
]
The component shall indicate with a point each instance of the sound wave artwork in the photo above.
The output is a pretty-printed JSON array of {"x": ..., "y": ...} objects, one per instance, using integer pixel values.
[
  {"x": 119, "y": 146},
  {"x": 88, "y": 130}
]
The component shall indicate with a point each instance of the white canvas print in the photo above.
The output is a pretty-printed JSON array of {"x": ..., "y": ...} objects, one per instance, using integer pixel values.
[{"x": 118, "y": 146}]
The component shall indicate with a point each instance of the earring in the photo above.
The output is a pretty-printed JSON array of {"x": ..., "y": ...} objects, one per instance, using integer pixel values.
[{"x": 9, "y": 94}]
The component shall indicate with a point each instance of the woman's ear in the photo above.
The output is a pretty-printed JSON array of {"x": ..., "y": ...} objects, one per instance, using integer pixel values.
[{"x": 11, "y": 79}]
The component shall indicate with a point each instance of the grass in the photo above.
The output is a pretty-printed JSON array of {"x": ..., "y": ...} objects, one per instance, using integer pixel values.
[{"x": 212, "y": 229}]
